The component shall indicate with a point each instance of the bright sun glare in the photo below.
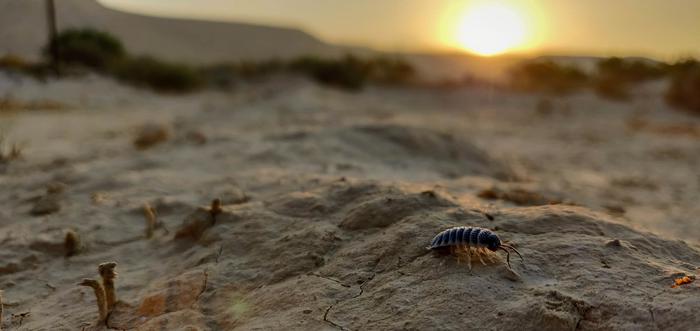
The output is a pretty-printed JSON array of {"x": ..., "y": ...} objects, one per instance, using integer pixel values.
[{"x": 490, "y": 29}]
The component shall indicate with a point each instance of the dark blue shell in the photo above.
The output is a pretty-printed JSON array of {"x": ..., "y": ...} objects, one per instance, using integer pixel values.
[{"x": 466, "y": 235}]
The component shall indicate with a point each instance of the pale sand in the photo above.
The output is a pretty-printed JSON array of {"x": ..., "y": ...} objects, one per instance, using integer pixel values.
[{"x": 327, "y": 210}]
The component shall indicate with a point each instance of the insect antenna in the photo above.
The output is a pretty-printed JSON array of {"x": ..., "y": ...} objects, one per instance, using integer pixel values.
[
  {"x": 514, "y": 250},
  {"x": 507, "y": 255}
]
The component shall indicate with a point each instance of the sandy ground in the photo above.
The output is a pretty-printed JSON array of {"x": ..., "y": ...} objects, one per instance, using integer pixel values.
[{"x": 330, "y": 199}]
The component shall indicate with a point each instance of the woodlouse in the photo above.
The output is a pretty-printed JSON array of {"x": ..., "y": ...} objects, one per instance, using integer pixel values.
[{"x": 462, "y": 239}]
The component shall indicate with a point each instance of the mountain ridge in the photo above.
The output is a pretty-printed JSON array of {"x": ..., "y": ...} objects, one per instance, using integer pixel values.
[{"x": 23, "y": 33}]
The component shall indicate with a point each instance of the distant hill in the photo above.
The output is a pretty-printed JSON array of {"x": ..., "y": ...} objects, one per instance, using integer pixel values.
[{"x": 23, "y": 32}]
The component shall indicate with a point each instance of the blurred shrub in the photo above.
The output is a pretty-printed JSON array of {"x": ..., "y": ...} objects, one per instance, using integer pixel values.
[
  {"x": 103, "y": 52},
  {"x": 226, "y": 75},
  {"x": 390, "y": 70},
  {"x": 681, "y": 66},
  {"x": 353, "y": 73},
  {"x": 630, "y": 70},
  {"x": 348, "y": 73},
  {"x": 158, "y": 75},
  {"x": 220, "y": 76},
  {"x": 615, "y": 76},
  {"x": 254, "y": 70},
  {"x": 87, "y": 47},
  {"x": 548, "y": 77},
  {"x": 684, "y": 89}
]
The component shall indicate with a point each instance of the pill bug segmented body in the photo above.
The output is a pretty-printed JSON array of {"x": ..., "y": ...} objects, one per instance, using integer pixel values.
[{"x": 465, "y": 240}]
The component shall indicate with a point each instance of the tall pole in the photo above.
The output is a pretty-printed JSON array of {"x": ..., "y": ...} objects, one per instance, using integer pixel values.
[{"x": 53, "y": 32}]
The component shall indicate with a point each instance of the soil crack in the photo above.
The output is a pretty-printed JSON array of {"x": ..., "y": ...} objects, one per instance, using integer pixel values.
[
  {"x": 325, "y": 319},
  {"x": 204, "y": 286},
  {"x": 218, "y": 255},
  {"x": 362, "y": 286}
]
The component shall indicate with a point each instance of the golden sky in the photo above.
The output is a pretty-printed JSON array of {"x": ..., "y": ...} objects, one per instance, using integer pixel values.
[{"x": 659, "y": 28}]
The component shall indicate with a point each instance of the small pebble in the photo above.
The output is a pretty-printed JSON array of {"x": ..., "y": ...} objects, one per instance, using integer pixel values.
[
  {"x": 614, "y": 243},
  {"x": 510, "y": 274}
]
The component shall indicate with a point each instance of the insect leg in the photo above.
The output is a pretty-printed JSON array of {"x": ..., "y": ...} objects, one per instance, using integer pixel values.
[
  {"x": 479, "y": 253},
  {"x": 457, "y": 251},
  {"x": 489, "y": 256},
  {"x": 469, "y": 256},
  {"x": 507, "y": 255}
]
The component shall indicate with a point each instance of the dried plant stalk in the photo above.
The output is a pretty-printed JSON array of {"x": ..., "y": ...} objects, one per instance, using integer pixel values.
[
  {"x": 72, "y": 243},
  {"x": 215, "y": 209},
  {"x": 151, "y": 220},
  {"x": 108, "y": 275},
  {"x": 99, "y": 294}
]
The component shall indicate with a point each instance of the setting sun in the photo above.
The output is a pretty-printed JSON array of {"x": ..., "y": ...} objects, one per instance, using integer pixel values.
[{"x": 490, "y": 29}]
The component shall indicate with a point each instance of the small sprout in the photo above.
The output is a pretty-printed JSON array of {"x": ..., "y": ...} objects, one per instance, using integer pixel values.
[
  {"x": 14, "y": 152},
  {"x": 151, "y": 220},
  {"x": 108, "y": 275},
  {"x": 682, "y": 281},
  {"x": 215, "y": 209},
  {"x": 72, "y": 243},
  {"x": 99, "y": 294}
]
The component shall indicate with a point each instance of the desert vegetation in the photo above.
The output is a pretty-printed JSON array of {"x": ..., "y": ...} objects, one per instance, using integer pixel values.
[
  {"x": 348, "y": 72},
  {"x": 547, "y": 77},
  {"x": 158, "y": 75},
  {"x": 684, "y": 89},
  {"x": 82, "y": 50},
  {"x": 87, "y": 47},
  {"x": 99, "y": 51},
  {"x": 615, "y": 76},
  {"x": 8, "y": 151}
]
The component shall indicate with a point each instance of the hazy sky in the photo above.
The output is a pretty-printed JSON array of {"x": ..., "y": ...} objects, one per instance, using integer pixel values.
[{"x": 661, "y": 28}]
